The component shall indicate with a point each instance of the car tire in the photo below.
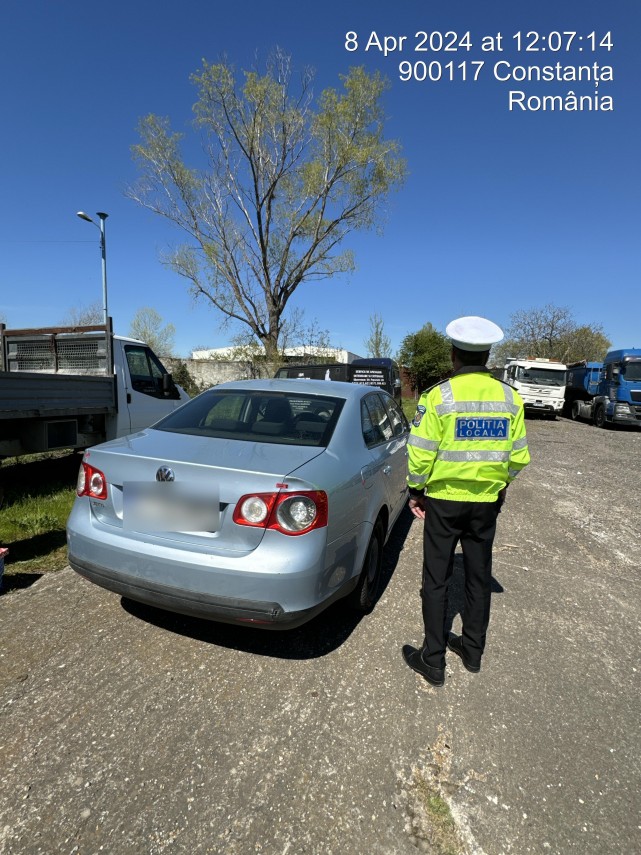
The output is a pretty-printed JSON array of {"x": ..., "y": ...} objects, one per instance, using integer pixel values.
[
  {"x": 599, "y": 416},
  {"x": 365, "y": 593},
  {"x": 576, "y": 409}
]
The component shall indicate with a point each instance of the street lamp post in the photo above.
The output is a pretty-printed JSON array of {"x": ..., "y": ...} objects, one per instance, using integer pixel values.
[{"x": 103, "y": 253}]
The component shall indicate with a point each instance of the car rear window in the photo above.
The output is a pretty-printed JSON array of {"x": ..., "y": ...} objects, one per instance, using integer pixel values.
[{"x": 273, "y": 417}]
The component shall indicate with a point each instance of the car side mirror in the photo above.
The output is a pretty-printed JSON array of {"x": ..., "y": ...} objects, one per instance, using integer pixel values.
[{"x": 168, "y": 386}]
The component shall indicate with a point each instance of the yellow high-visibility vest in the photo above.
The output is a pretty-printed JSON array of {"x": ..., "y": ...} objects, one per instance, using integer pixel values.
[{"x": 468, "y": 438}]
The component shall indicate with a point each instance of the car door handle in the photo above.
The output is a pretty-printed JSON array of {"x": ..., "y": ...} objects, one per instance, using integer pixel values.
[
  {"x": 387, "y": 470},
  {"x": 367, "y": 473}
]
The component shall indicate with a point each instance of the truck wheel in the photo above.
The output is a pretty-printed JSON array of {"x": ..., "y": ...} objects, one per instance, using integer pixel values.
[
  {"x": 599, "y": 416},
  {"x": 576, "y": 410}
]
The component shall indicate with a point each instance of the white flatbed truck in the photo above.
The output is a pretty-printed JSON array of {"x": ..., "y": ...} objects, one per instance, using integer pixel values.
[{"x": 72, "y": 387}]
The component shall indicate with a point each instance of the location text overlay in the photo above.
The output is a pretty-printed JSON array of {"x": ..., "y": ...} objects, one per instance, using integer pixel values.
[{"x": 552, "y": 71}]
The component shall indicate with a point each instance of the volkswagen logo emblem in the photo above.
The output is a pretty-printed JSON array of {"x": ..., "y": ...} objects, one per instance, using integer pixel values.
[{"x": 165, "y": 474}]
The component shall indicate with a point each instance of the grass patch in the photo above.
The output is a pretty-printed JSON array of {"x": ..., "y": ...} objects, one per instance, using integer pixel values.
[
  {"x": 440, "y": 831},
  {"x": 37, "y": 495}
]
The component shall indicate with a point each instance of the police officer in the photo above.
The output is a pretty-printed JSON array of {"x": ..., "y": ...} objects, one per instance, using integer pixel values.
[{"x": 467, "y": 444}]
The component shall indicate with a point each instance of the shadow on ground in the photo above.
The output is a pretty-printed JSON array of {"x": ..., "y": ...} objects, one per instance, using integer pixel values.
[
  {"x": 39, "y": 477},
  {"x": 18, "y": 581},
  {"x": 37, "y": 545},
  {"x": 320, "y": 636}
]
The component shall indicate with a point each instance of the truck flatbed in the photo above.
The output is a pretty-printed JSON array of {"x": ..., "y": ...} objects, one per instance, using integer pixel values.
[{"x": 26, "y": 395}]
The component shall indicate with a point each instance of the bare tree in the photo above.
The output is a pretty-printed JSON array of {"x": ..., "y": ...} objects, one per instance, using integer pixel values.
[
  {"x": 540, "y": 330},
  {"x": 585, "y": 342},
  {"x": 84, "y": 316},
  {"x": 147, "y": 326},
  {"x": 310, "y": 341},
  {"x": 378, "y": 344},
  {"x": 286, "y": 182},
  {"x": 551, "y": 332}
]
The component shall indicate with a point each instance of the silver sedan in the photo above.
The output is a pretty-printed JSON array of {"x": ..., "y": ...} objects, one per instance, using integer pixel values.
[{"x": 259, "y": 502}]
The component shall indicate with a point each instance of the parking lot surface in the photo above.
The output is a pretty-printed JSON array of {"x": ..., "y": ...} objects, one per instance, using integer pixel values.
[{"x": 128, "y": 730}]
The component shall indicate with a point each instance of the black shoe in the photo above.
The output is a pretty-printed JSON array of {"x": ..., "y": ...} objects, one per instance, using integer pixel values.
[
  {"x": 455, "y": 644},
  {"x": 435, "y": 676}
]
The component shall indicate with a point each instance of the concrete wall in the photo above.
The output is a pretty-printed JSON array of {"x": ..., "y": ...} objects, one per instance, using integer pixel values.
[{"x": 210, "y": 372}]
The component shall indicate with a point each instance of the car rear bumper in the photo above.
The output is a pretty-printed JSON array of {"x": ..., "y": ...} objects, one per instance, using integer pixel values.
[
  {"x": 264, "y": 615},
  {"x": 283, "y": 582}
]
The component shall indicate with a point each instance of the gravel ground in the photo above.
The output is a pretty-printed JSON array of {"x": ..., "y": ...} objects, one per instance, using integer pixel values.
[{"x": 127, "y": 730}]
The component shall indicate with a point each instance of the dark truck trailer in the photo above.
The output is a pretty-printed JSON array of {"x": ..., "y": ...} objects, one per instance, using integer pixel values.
[{"x": 380, "y": 372}]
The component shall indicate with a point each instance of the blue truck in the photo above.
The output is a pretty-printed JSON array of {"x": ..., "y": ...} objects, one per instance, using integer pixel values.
[{"x": 607, "y": 392}]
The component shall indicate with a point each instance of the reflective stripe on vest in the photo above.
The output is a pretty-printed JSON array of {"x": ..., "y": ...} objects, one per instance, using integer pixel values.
[
  {"x": 425, "y": 444},
  {"x": 467, "y": 456},
  {"x": 449, "y": 405}
]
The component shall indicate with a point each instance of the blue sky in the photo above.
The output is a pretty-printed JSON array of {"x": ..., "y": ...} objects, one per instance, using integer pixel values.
[{"x": 502, "y": 210}]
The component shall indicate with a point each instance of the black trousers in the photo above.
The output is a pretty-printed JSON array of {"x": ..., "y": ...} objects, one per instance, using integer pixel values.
[{"x": 447, "y": 523}]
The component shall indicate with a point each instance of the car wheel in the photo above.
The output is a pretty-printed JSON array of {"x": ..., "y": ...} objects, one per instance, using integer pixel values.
[
  {"x": 599, "y": 416},
  {"x": 364, "y": 595},
  {"x": 576, "y": 409}
]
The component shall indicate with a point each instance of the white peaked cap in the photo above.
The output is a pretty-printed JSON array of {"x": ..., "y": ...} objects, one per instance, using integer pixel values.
[{"x": 472, "y": 333}]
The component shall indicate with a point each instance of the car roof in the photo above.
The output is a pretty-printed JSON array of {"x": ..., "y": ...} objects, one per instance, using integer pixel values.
[{"x": 333, "y": 388}]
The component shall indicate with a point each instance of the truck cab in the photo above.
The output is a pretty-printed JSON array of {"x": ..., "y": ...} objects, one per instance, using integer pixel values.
[
  {"x": 540, "y": 383},
  {"x": 147, "y": 388},
  {"x": 607, "y": 392},
  {"x": 621, "y": 384}
]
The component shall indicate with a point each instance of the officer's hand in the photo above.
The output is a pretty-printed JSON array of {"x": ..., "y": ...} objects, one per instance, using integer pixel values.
[{"x": 417, "y": 507}]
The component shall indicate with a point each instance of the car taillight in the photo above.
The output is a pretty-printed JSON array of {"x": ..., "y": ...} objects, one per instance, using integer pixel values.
[
  {"x": 254, "y": 510},
  {"x": 289, "y": 513},
  {"x": 91, "y": 482}
]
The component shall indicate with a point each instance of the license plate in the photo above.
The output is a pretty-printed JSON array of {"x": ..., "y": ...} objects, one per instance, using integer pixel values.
[
  {"x": 539, "y": 404},
  {"x": 163, "y": 507}
]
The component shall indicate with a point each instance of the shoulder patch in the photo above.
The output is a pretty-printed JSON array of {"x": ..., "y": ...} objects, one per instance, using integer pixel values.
[{"x": 418, "y": 415}]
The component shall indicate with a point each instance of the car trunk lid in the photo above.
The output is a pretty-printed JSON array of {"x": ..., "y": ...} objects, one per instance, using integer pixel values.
[{"x": 221, "y": 469}]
